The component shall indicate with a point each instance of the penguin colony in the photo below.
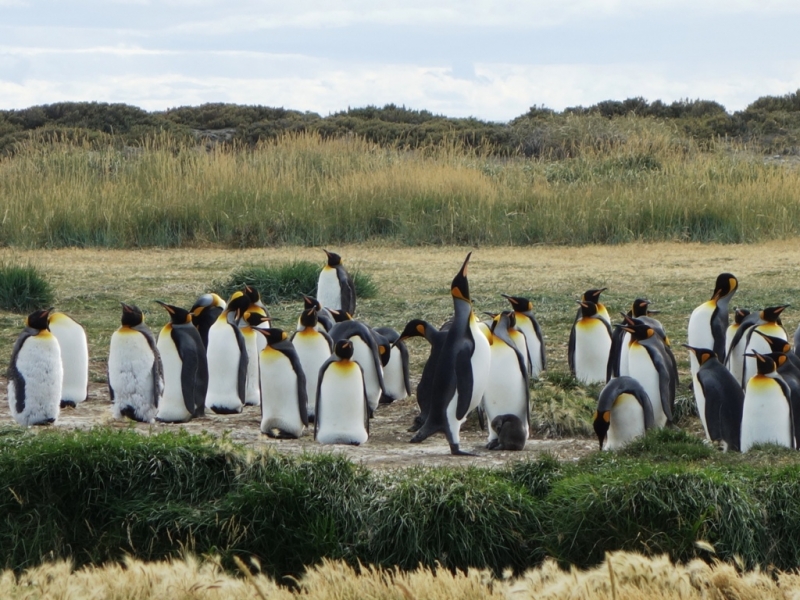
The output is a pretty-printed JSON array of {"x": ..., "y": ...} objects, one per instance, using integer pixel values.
[{"x": 334, "y": 371}]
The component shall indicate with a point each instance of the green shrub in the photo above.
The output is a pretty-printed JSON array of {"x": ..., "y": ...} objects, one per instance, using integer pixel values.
[{"x": 24, "y": 289}]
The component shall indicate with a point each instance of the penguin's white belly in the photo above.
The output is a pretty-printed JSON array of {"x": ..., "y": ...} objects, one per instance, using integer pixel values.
[
  {"x": 505, "y": 392},
  {"x": 279, "y": 392},
  {"x": 642, "y": 369},
  {"x": 765, "y": 415},
  {"x": 481, "y": 365},
  {"x": 171, "y": 407},
  {"x": 699, "y": 334},
  {"x": 534, "y": 346},
  {"x": 592, "y": 347},
  {"x": 74, "y": 357},
  {"x": 341, "y": 405},
  {"x": 364, "y": 356},
  {"x": 39, "y": 364},
  {"x": 626, "y": 422},
  {"x": 223, "y": 368},
  {"x": 760, "y": 345},
  {"x": 393, "y": 378},
  {"x": 312, "y": 351},
  {"x": 130, "y": 374},
  {"x": 624, "y": 351},
  {"x": 252, "y": 392},
  {"x": 329, "y": 293}
]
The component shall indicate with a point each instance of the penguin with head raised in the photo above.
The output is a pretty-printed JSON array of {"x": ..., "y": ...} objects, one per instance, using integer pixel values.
[
  {"x": 313, "y": 348},
  {"x": 342, "y": 413},
  {"x": 529, "y": 326},
  {"x": 589, "y": 345},
  {"x": 284, "y": 403},
  {"x": 135, "y": 374},
  {"x": 183, "y": 360},
  {"x": 462, "y": 371},
  {"x": 35, "y": 373},
  {"x": 205, "y": 311},
  {"x": 396, "y": 373},
  {"x": 722, "y": 399},
  {"x": 71, "y": 338},
  {"x": 335, "y": 287},
  {"x": 367, "y": 354},
  {"x": 767, "y": 416},
  {"x": 624, "y": 412},
  {"x": 708, "y": 322},
  {"x": 227, "y": 359}
]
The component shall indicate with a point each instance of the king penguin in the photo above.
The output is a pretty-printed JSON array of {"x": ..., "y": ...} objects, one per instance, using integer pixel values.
[
  {"x": 769, "y": 323},
  {"x": 529, "y": 326},
  {"x": 35, "y": 373},
  {"x": 734, "y": 356},
  {"x": 507, "y": 389},
  {"x": 183, "y": 359},
  {"x": 249, "y": 325},
  {"x": 396, "y": 374},
  {"x": 462, "y": 371},
  {"x": 589, "y": 345},
  {"x": 722, "y": 402},
  {"x": 135, "y": 373},
  {"x": 313, "y": 348},
  {"x": 624, "y": 412},
  {"x": 648, "y": 363},
  {"x": 767, "y": 411},
  {"x": 71, "y": 338},
  {"x": 367, "y": 354},
  {"x": 227, "y": 359},
  {"x": 205, "y": 312},
  {"x": 256, "y": 308},
  {"x": 335, "y": 287},
  {"x": 284, "y": 403},
  {"x": 620, "y": 340},
  {"x": 342, "y": 414},
  {"x": 324, "y": 316}
]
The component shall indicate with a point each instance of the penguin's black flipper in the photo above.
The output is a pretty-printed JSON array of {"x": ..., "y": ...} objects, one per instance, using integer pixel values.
[
  {"x": 464, "y": 379},
  {"x": 614, "y": 354},
  {"x": 322, "y": 370},
  {"x": 241, "y": 379},
  {"x": 302, "y": 393},
  {"x": 571, "y": 350},
  {"x": 538, "y": 331},
  {"x": 188, "y": 356},
  {"x": 157, "y": 370},
  {"x": 348, "y": 288},
  {"x": 666, "y": 387},
  {"x": 406, "y": 371},
  {"x": 724, "y": 402}
]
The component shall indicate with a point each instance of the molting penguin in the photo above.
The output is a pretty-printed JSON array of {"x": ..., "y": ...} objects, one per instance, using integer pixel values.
[
  {"x": 284, "y": 403},
  {"x": 366, "y": 353},
  {"x": 183, "y": 359},
  {"x": 35, "y": 373},
  {"x": 135, "y": 374},
  {"x": 529, "y": 326},
  {"x": 767, "y": 412},
  {"x": 205, "y": 312},
  {"x": 589, "y": 345},
  {"x": 313, "y": 348},
  {"x": 649, "y": 364},
  {"x": 342, "y": 414},
  {"x": 227, "y": 359},
  {"x": 74, "y": 358},
  {"x": 462, "y": 371},
  {"x": 396, "y": 375},
  {"x": 722, "y": 399},
  {"x": 507, "y": 389},
  {"x": 335, "y": 288},
  {"x": 624, "y": 412}
]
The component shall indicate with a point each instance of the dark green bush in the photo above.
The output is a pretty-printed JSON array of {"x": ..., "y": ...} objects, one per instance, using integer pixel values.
[{"x": 24, "y": 288}]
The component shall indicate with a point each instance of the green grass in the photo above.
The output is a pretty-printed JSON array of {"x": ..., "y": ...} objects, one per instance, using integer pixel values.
[{"x": 24, "y": 288}]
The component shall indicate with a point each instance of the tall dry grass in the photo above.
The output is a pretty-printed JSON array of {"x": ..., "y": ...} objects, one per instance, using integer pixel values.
[{"x": 639, "y": 181}]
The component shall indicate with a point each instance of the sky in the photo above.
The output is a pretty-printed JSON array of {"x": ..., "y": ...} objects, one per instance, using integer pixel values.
[{"x": 487, "y": 59}]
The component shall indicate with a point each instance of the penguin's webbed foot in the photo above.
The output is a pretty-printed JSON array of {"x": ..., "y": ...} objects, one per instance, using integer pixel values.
[{"x": 456, "y": 451}]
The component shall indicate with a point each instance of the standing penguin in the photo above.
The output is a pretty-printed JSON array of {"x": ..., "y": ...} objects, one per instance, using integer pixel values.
[
  {"x": 589, "y": 345},
  {"x": 769, "y": 323},
  {"x": 335, "y": 287},
  {"x": 396, "y": 376},
  {"x": 284, "y": 403},
  {"x": 205, "y": 311},
  {"x": 227, "y": 359},
  {"x": 135, "y": 374},
  {"x": 507, "y": 389},
  {"x": 624, "y": 412},
  {"x": 71, "y": 338},
  {"x": 249, "y": 325},
  {"x": 256, "y": 308},
  {"x": 620, "y": 340},
  {"x": 183, "y": 359},
  {"x": 722, "y": 399},
  {"x": 648, "y": 363},
  {"x": 342, "y": 414},
  {"x": 313, "y": 348},
  {"x": 35, "y": 373},
  {"x": 462, "y": 370},
  {"x": 325, "y": 318},
  {"x": 367, "y": 354},
  {"x": 529, "y": 326},
  {"x": 767, "y": 411},
  {"x": 735, "y": 354},
  {"x": 708, "y": 322}
]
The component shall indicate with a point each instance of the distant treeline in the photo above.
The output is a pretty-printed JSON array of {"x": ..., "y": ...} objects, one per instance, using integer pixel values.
[{"x": 770, "y": 124}]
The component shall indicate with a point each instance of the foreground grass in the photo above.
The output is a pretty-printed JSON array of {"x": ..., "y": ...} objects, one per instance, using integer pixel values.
[
  {"x": 97, "y": 496},
  {"x": 643, "y": 182}
]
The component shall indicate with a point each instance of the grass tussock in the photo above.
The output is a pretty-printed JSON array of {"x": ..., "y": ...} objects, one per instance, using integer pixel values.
[
  {"x": 639, "y": 181},
  {"x": 24, "y": 288}
]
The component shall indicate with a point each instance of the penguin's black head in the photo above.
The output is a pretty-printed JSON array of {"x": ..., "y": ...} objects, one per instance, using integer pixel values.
[
  {"x": 206, "y": 301},
  {"x": 772, "y": 314},
  {"x": 177, "y": 315},
  {"x": 308, "y": 318},
  {"x": 460, "y": 286},
  {"x": 254, "y": 319},
  {"x": 639, "y": 331},
  {"x": 239, "y": 302},
  {"x": 601, "y": 423},
  {"x": 414, "y": 328},
  {"x": 309, "y": 302},
  {"x": 726, "y": 284},
  {"x": 333, "y": 259},
  {"x": 764, "y": 362},
  {"x": 588, "y": 308},
  {"x": 39, "y": 319},
  {"x": 252, "y": 294},
  {"x": 519, "y": 303},
  {"x": 340, "y": 316},
  {"x": 384, "y": 352},
  {"x": 593, "y": 295},
  {"x": 273, "y": 335},
  {"x": 776, "y": 344},
  {"x": 739, "y": 315},
  {"x": 343, "y": 349},
  {"x": 639, "y": 308},
  {"x": 702, "y": 354},
  {"x": 131, "y": 315}
]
